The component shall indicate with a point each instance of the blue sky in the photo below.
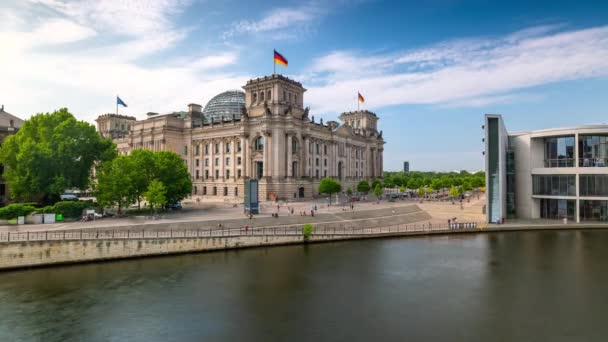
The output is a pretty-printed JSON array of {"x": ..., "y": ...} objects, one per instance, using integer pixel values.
[{"x": 429, "y": 69}]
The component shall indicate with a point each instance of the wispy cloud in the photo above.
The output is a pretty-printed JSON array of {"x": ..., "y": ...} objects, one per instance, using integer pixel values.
[
  {"x": 279, "y": 19},
  {"x": 474, "y": 71}
]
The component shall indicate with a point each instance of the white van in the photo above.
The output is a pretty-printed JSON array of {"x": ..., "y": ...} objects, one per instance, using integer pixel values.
[{"x": 68, "y": 197}]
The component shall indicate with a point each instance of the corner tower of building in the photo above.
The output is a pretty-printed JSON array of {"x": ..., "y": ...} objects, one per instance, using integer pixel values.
[
  {"x": 361, "y": 120},
  {"x": 274, "y": 95}
]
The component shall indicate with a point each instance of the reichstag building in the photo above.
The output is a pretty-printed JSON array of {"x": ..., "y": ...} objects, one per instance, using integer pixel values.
[{"x": 263, "y": 133}]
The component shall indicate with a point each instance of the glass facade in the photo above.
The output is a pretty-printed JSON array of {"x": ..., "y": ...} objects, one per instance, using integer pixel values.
[
  {"x": 559, "y": 151},
  {"x": 224, "y": 107},
  {"x": 511, "y": 184},
  {"x": 557, "y": 208},
  {"x": 593, "y": 210},
  {"x": 592, "y": 150},
  {"x": 554, "y": 185},
  {"x": 593, "y": 185}
]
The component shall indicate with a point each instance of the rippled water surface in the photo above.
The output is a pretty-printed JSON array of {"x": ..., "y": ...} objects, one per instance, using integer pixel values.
[{"x": 525, "y": 286}]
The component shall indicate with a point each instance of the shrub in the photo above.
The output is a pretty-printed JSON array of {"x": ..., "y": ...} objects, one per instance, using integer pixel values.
[
  {"x": 71, "y": 209},
  {"x": 307, "y": 231},
  {"x": 12, "y": 211}
]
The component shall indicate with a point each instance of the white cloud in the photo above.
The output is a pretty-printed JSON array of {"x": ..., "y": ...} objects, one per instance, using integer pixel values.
[
  {"x": 42, "y": 72},
  {"x": 475, "y": 71},
  {"x": 278, "y": 19}
]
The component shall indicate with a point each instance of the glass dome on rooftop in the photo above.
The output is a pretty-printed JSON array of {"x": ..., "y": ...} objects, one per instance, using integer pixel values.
[{"x": 224, "y": 106}]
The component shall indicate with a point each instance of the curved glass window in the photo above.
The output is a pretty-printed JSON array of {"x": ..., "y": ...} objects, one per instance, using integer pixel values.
[
  {"x": 225, "y": 106},
  {"x": 554, "y": 185},
  {"x": 592, "y": 150},
  {"x": 559, "y": 152}
]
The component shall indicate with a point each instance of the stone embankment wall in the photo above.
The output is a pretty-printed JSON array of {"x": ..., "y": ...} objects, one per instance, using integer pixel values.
[{"x": 38, "y": 253}]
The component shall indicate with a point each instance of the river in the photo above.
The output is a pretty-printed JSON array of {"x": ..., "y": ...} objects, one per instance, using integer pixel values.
[{"x": 516, "y": 286}]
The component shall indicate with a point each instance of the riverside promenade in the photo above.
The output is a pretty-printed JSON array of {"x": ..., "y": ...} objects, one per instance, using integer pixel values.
[{"x": 21, "y": 249}]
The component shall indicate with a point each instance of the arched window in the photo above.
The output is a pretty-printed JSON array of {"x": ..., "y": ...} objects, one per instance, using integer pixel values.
[
  {"x": 255, "y": 98},
  {"x": 269, "y": 96},
  {"x": 262, "y": 96},
  {"x": 259, "y": 144},
  {"x": 284, "y": 96}
]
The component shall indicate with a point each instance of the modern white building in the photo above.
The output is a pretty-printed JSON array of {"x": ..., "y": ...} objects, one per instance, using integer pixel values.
[{"x": 547, "y": 174}]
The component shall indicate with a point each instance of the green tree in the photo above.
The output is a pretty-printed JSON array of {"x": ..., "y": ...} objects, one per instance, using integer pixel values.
[
  {"x": 402, "y": 188},
  {"x": 375, "y": 183},
  {"x": 50, "y": 153},
  {"x": 329, "y": 186},
  {"x": 453, "y": 192},
  {"x": 114, "y": 186},
  {"x": 143, "y": 173},
  {"x": 156, "y": 194},
  {"x": 307, "y": 230},
  {"x": 421, "y": 191},
  {"x": 349, "y": 191},
  {"x": 467, "y": 185},
  {"x": 363, "y": 186},
  {"x": 378, "y": 190},
  {"x": 170, "y": 169}
]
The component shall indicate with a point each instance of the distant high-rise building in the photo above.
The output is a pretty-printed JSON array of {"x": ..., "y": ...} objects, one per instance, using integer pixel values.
[{"x": 406, "y": 166}]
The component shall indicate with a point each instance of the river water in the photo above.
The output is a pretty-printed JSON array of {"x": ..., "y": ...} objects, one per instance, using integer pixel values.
[{"x": 518, "y": 286}]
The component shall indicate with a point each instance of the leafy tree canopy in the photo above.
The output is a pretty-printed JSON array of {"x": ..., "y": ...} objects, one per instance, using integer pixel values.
[
  {"x": 127, "y": 179},
  {"x": 363, "y": 186},
  {"x": 50, "y": 153},
  {"x": 329, "y": 186}
]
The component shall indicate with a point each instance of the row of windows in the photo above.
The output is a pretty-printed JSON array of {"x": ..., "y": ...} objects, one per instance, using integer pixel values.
[
  {"x": 565, "y": 185},
  {"x": 554, "y": 185},
  {"x": 197, "y": 174},
  {"x": 217, "y": 161},
  {"x": 593, "y": 185},
  {"x": 213, "y": 191},
  {"x": 261, "y": 96}
]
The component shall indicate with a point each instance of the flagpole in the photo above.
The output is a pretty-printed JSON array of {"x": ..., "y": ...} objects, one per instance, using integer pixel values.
[
  {"x": 116, "y": 104},
  {"x": 358, "y": 103}
]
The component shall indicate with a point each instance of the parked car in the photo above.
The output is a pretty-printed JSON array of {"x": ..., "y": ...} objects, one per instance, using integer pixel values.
[
  {"x": 68, "y": 197},
  {"x": 174, "y": 206}
]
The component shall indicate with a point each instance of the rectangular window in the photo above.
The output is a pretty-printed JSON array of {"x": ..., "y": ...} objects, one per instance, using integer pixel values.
[
  {"x": 217, "y": 148},
  {"x": 227, "y": 174},
  {"x": 227, "y": 147},
  {"x": 238, "y": 173},
  {"x": 195, "y": 190},
  {"x": 554, "y": 185},
  {"x": 217, "y": 174},
  {"x": 217, "y": 161},
  {"x": 324, "y": 149},
  {"x": 206, "y": 149},
  {"x": 206, "y": 161},
  {"x": 186, "y": 150},
  {"x": 559, "y": 151},
  {"x": 317, "y": 173},
  {"x": 197, "y": 162},
  {"x": 204, "y": 190},
  {"x": 225, "y": 191},
  {"x": 238, "y": 160},
  {"x": 324, "y": 162},
  {"x": 197, "y": 149},
  {"x": 317, "y": 162},
  {"x": 593, "y": 185},
  {"x": 214, "y": 191},
  {"x": 206, "y": 174},
  {"x": 236, "y": 191},
  {"x": 197, "y": 174},
  {"x": 238, "y": 146},
  {"x": 227, "y": 161},
  {"x": 325, "y": 173},
  {"x": 317, "y": 148}
]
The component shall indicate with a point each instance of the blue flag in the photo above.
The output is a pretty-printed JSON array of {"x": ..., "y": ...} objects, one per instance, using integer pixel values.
[{"x": 120, "y": 102}]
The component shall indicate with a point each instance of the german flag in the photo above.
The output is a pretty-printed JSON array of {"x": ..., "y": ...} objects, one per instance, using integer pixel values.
[
  {"x": 360, "y": 98},
  {"x": 279, "y": 59}
]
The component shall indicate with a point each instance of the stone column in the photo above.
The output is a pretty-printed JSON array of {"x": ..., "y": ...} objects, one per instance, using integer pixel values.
[
  {"x": 267, "y": 148},
  {"x": 289, "y": 155},
  {"x": 222, "y": 156},
  {"x": 244, "y": 158},
  {"x": 212, "y": 159},
  {"x": 305, "y": 154},
  {"x": 233, "y": 158}
]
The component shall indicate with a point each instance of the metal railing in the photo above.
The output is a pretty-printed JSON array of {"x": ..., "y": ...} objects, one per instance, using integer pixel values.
[
  {"x": 593, "y": 162},
  {"x": 561, "y": 162},
  {"x": 331, "y": 230}
]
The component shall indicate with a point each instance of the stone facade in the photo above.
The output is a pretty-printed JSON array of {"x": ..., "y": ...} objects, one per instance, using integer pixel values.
[
  {"x": 270, "y": 138},
  {"x": 9, "y": 124}
]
